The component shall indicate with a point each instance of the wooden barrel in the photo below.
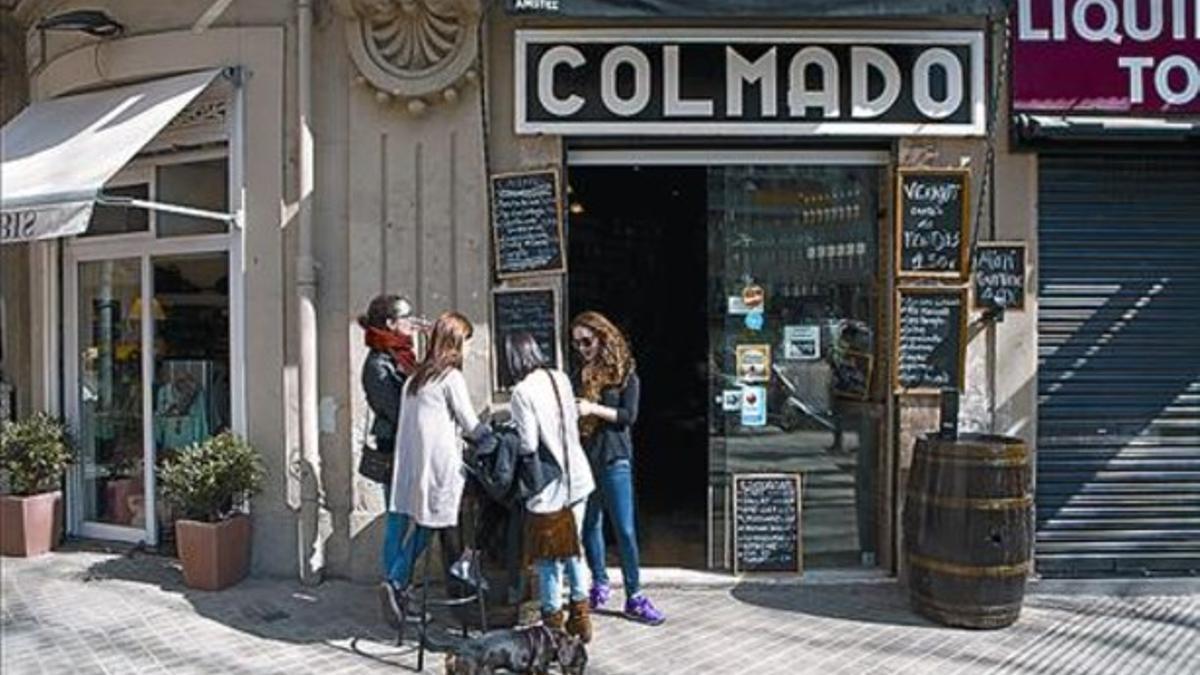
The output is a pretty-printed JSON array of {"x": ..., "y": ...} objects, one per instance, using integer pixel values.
[{"x": 968, "y": 522}]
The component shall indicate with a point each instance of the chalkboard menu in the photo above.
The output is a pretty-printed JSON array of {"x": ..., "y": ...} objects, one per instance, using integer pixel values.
[
  {"x": 931, "y": 339},
  {"x": 766, "y": 523},
  {"x": 527, "y": 224},
  {"x": 531, "y": 310},
  {"x": 1000, "y": 275},
  {"x": 932, "y": 215}
]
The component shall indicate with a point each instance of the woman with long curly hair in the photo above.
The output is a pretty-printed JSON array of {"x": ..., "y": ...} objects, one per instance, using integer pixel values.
[
  {"x": 428, "y": 477},
  {"x": 608, "y": 408}
]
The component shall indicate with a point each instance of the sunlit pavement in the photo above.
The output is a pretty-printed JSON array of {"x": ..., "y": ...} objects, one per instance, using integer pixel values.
[{"x": 87, "y": 612}]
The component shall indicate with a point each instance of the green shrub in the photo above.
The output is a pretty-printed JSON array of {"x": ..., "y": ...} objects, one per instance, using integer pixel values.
[
  {"x": 211, "y": 480},
  {"x": 34, "y": 453}
]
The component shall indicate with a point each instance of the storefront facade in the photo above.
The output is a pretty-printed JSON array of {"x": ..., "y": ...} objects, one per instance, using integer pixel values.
[
  {"x": 727, "y": 193},
  {"x": 1117, "y": 137}
]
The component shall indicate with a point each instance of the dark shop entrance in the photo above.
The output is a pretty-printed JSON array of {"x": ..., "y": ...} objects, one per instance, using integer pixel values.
[{"x": 747, "y": 285}]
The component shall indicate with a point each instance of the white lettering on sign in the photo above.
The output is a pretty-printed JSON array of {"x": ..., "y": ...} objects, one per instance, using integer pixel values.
[
  {"x": 553, "y": 58},
  {"x": 739, "y": 71},
  {"x": 835, "y": 82},
  {"x": 939, "y": 193},
  {"x": 536, "y": 5},
  {"x": 1110, "y": 20},
  {"x": 675, "y": 105},
  {"x": 863, "y": 60},
  {"x": 946, "y": 61},
  {"x": 825, "y": 98},
  {"x": 630, "y": 57}
]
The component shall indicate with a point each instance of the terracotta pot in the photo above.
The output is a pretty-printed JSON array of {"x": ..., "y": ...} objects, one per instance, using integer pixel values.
[
  {"x": 117, "y": 492},
  {"x": 30, "y": 525},
  {"x": 214, "y": 555}
]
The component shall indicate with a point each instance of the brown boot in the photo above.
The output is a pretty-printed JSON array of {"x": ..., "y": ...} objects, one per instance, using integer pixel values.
[
  {"x": 579, "y": 623},
  {"x": 554, "y": 620}
]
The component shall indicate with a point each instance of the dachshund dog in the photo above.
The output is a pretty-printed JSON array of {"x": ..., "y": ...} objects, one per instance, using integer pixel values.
[{"x": 533, "y": 650}]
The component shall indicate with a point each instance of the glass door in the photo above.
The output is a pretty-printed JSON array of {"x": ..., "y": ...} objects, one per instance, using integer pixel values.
[
  {"x": 794, "y": 292},
  {"x": 152, "y": 379},
  {"x": 110, "y": 400}
]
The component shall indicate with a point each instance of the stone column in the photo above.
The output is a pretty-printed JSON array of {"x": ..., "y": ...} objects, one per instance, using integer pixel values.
[{"x": 416, "y": 181}]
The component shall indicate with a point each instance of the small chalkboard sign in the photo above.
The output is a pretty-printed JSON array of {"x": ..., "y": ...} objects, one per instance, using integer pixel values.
[
  {"x": 1000, "y": 275},
  {"x": 527, "y": 228},
  {"x": 932, "y": 219},
  {"x": 931, "y": 339},
  {"x": 766, "y": 523},
  {"x": 532, "y": 310}
]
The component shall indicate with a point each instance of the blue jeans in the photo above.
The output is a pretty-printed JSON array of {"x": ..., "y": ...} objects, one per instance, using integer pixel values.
[
  {"x": 403, "y": 543},
  {"x": 549, "y": 573},
  {"x": 613, "y": 496}
]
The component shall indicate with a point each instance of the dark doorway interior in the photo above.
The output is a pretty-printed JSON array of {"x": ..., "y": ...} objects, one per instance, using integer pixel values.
[{"x": 638, "y": 254}]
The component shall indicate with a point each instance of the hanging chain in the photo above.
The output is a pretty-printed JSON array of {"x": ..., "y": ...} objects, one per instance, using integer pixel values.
[{"x": 992, "y": 127}]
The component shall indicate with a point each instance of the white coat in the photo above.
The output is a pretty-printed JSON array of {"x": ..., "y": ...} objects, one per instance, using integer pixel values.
[
  {"x": 428, "y": 476},
  {"x": 537, "y": 416}
]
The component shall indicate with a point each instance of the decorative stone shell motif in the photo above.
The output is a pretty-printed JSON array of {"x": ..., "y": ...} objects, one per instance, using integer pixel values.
[{"x": 418, "y": 51}]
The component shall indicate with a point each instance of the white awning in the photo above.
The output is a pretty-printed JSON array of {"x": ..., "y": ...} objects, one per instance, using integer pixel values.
[{"x": 58, "y": 154}]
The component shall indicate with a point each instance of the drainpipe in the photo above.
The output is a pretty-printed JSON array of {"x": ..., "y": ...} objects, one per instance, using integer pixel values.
[{"x": 314, "y": 516}]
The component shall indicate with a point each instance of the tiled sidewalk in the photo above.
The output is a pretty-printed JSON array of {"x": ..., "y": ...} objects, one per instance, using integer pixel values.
[{"x": 85, "y": 612}]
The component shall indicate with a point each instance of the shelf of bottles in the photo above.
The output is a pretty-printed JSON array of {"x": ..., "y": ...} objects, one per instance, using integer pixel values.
[{"x": 794, "y": 230}]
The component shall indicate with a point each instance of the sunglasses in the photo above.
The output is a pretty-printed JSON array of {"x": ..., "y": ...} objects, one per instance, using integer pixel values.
[{"x": 583, "y": 342}]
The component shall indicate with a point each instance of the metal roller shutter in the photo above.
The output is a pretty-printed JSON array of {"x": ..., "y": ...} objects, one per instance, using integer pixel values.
[{"x": 1118, "y": 469}]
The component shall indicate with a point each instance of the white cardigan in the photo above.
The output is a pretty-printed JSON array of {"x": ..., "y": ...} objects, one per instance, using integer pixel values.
[
  {"x": 428, "y": 477},
  {"x": 537, "y": 416}
]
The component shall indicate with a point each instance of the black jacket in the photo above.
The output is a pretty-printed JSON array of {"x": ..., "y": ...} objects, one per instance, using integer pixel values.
[
  {"x": 614, "y": 440},
  {"x": 383, "y": 383},
  {"x": 496, "y": 461}
]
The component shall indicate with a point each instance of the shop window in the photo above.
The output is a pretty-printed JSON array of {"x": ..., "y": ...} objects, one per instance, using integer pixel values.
[
  {"x": 201, "y": 185},
  {"x": 110, "y": 220}
]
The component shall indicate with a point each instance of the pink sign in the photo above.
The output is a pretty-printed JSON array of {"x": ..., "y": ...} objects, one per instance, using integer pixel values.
[{"x": 1116, "y": 57}]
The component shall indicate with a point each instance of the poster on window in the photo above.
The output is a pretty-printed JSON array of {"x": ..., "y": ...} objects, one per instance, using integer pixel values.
[
  {"x": 754, "y": 363},
  {"x": 754, "y": 407},
  {"x": 802, "y": 342}
]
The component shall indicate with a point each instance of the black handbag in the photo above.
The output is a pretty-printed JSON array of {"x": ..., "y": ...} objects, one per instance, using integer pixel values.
[
  {"x": 376, "y": 465},
  {"x": 373, "y": 463}
]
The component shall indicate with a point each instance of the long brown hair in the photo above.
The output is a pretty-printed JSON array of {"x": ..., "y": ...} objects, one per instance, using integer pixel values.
[
  {"x": 446, "y": 340},
  {"x": 612, "y": 367}
]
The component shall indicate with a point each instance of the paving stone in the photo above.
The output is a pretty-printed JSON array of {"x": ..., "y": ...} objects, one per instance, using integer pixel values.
[{"x": 83, "y": 612}]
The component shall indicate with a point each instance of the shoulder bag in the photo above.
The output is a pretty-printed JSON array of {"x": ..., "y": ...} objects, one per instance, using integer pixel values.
[
  {"x": 555, "y": 535},
  {"x": 375, "y": 464}
]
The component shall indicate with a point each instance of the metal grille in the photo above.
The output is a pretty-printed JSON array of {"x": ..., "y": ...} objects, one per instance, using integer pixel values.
[{"x": 1119, "y": 366}]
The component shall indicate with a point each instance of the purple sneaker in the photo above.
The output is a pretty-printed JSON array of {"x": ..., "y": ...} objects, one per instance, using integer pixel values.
[
  {"x": 599, "y": 595},
  {"x": 640, "y": 609}
]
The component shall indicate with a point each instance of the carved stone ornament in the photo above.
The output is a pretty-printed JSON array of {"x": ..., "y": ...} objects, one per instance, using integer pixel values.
[{"x": 418, "y": 51}]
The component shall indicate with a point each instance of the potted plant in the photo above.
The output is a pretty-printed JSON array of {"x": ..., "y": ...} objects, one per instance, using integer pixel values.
[
  {"x": 34, "y": 453},
  {"x": 207, "y": 486}
]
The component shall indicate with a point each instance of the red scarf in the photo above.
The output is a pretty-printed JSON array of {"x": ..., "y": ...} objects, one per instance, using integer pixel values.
[{"x": 399, "y": 346}]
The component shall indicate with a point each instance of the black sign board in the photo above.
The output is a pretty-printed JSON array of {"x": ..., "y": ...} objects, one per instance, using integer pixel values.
[
  {"x": 531, "y": 310},
  {"x": 1000, "y": 275},
  {"x": 743, "y": 82},
  {"x": 527, "y": 224},
  {"x": 931, "y": 339},
  {"x": 766, "y": 523},
  {"x": 932, "y": 216}
]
